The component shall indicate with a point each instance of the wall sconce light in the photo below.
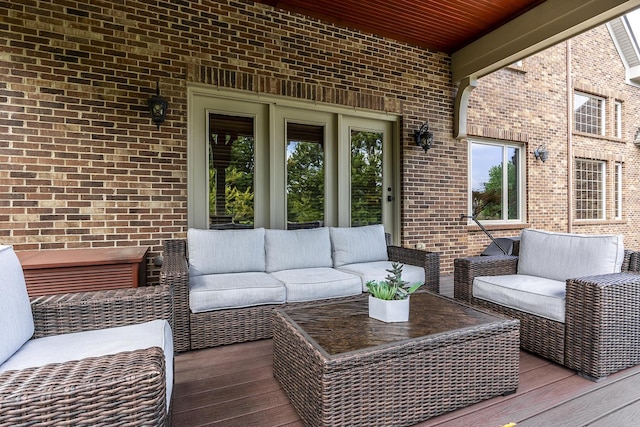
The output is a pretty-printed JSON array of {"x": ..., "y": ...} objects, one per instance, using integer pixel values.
[
  {"x": 541, "y": 153},
  {"x": 423, "y": 137},
  {"x": 158, "y": 107}
]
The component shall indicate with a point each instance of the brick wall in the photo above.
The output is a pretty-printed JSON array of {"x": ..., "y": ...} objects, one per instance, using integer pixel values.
[
  {"x": 83, "y": 166},
  {"x": 529, "y": 105}
]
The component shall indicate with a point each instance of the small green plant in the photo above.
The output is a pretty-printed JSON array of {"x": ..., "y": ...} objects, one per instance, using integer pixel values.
[{"x": 393, "y": 287}]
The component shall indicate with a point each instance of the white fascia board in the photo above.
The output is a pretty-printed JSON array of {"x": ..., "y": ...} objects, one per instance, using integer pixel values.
[{"x": 543, "y": 26}]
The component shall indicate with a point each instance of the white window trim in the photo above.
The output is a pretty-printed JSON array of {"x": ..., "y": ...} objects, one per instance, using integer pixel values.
[
  {"x": 603, "y": 183},
  {"x": 618, "y": 108},
  {"x": 618, "y": 184},
  {"x": 521, "y": 182},
  {"x": 603, "y": 111}
]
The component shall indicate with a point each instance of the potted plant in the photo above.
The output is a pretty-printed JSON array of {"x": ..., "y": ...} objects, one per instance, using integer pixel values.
[{"x": 389, "y": 299}]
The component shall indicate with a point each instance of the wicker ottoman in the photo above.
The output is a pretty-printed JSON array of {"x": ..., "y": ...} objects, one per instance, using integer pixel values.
[{"x": 339, "y": 367}]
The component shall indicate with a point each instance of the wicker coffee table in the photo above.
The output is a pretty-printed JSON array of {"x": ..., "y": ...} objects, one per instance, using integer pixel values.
[{"x": 341, "y": 368}]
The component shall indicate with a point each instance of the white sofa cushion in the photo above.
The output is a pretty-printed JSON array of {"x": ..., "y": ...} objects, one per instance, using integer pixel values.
[
  {"x": 562, "y": 256},
  {"x": 352, "y": 245},
  {"x": 234, "y": 290},
  {"x": 531, "y": 294},
  {"x": 309, "y": 284},
  {"x": 81, "y": 345},
  {"x": 16, "y": 319},
  {"x": 377, "y": 271},
  {"x": 225, "y": 251},
  {"x": 290, "y": 249}
]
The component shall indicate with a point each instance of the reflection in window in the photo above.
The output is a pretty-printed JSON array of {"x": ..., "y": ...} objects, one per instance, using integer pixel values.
[
  {"x": 588, "y": 113},
  {"x": 366, "y": 178},
  {"x": 231, "y": 171},
  {"x": 495, "y": 182},
  {"x": 305, "y": 176}
]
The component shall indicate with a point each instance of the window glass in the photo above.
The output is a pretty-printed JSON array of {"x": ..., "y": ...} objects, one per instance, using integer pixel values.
[
  {"x": 618, "y": 119},
  {"x": 589, "y": 181},
  {"x": 588, "y": 113},
  {"x": 305, "y": 176},
  {"x": 617, "y": 189},
  {"x": 231, "y": 171},
  {"x": 366, "y": 178},
  {"x": 495, "y": 182}
]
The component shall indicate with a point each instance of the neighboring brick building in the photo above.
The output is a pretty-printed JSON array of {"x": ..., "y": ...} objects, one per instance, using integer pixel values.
[
  {"x": 83, "y": 166},
  {"x": 530, "y": 103}
]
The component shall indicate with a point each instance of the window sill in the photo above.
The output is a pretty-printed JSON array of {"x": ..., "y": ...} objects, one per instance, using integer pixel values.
[
  {"x": 601, "y": 137},
  {"x": 472, "y": 228}
]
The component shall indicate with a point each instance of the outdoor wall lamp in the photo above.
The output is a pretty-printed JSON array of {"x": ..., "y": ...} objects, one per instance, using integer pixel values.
[
  {"x": 541, "y": 153},
  {"x": 424, "y": 137},
  {"x": 158, "y": 107}
]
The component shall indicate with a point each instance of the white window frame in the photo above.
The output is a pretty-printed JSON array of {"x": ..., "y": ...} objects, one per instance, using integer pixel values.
[
  {"x": 603, "y": 112},
  {"x": 521, "y": 181},
  {"x": 603, "y": 183},
  {"x": 618, "y": 118},
  {"x": 618, "y": 191}
]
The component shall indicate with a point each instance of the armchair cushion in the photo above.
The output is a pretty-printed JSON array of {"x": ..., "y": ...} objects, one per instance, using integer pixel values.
[
  {"x": 291, "y": 249},
  {"x": 352, "y": 245},
  {"x": 80, "y": 345},
  {"x": 531, "y": 294},
  {"x": 16, "y": 319},
  {"x": 225, "y": 251},
  {"x": 562, "y": 256},
  {"x": 377, "y": 271}
]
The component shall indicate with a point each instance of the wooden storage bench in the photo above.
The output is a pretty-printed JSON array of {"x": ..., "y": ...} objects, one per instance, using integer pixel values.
[{"x": 57, "y": 271}]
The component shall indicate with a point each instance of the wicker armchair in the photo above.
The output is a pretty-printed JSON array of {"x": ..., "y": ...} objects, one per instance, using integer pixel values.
[
  {"x": 601, "y": 333},
  {"x": 116, "y": 388},
  {"x": 221, "y": 327}
]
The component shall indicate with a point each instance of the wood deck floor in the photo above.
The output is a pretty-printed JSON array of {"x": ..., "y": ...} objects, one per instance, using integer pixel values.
[{"x": 234, "y": 386}]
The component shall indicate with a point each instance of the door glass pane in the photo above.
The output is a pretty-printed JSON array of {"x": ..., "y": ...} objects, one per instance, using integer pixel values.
[
  {"x": 231, "y": 171},
  {"x": 486, "y": 167},
  {"x": 512, "y": 182},
  {"x": 366, "y": 178},
  {"x": 305, "y": 176}
]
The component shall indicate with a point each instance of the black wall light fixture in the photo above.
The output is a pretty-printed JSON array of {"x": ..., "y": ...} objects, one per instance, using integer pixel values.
[
  {"x": 423, "y": 137},
  {"x": 541, "y": 153},
  {"x": 158, "y": 107}
]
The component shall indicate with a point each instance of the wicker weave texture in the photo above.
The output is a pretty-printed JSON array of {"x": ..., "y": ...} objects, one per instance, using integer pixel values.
[
  {"x": 222, "y": 327},
  {"x": 602, "y": 324},
  {"x": 125, "y": 389},
  {"x": 77, "y": 312},
  {"x": 397, "y": 385}
]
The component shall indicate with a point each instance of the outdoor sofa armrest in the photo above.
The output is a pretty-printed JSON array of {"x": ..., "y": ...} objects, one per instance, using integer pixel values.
[
  {"x": 127, "y": 388},
  {"x": 175, "y": 273},
  {"x": 83, "y": 311},
  {"x": 602, "y": 323},
  {"x": 429, "y": 260},
  {"x": 466, "y": 269}
]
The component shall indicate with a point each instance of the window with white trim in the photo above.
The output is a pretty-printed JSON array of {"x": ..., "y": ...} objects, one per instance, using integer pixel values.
[
  {"x": 617, "y": 191},
  {"x": 589, "y": 113},
  {"x": 590, "y": 190},
  {"x": 618, "y": 118},
  {"x": 496, "y": 176}
]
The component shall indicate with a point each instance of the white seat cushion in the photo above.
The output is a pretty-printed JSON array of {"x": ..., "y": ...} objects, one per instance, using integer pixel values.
[
  {"x": 16, "y": 319},
  {"x": 225, "y": 251},
  {"x": 235, "y": 290},
  {"x": 531, "y": 294},
  {"x": 291, "y": 249},
  {"x": 308, "y": 284},
  {"x": 352, "y": 245},
  {"x": 562, "y": 256},
  {"x": 377, "y": 271},
  {"x": 80, "y": 345}
]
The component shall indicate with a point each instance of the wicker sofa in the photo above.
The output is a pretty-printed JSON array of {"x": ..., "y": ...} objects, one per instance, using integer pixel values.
[
  {"x": 577, "y": 298},
  {"x": 84, "y": 359},
  {"x": 227, "y": 282}
]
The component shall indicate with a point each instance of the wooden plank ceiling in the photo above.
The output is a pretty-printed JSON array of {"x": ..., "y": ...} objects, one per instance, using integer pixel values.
[{"x": 439, "y": 25}]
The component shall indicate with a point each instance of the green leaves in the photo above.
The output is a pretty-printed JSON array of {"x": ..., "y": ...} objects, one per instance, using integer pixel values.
[{"x": 393, "y": 287}]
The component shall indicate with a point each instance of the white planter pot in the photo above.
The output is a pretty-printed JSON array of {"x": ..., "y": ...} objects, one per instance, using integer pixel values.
[{"x": 389, "y": 311}]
